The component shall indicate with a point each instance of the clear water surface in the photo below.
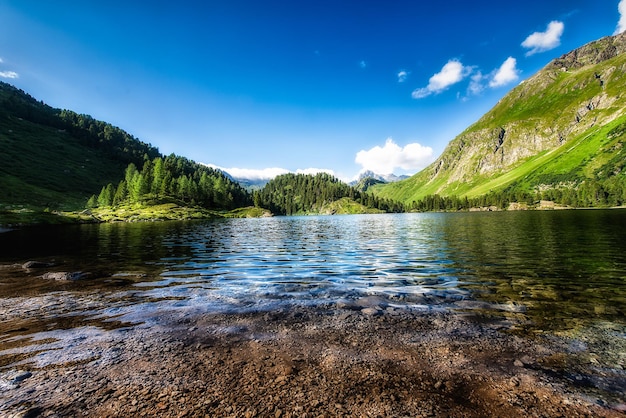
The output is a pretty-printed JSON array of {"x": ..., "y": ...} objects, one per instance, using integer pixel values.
[{"x": 557, "y": 269}]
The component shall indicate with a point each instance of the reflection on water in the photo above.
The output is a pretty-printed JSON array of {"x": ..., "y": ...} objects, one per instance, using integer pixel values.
[
  {"x": 564, "y": 267},
  {"x": 552, "y": 267}
]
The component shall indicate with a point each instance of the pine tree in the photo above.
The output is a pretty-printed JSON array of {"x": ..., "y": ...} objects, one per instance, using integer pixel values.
[
  {"x": 158, "y": 176},
  {"x": 92, "y": 202},
  {"x": 105, "y": 198},
  {"x": 121, "y": 193},
  {"x": 136, "y": 187}
]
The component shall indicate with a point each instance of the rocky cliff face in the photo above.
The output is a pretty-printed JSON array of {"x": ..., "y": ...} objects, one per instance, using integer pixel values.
[{"x": 571, "y": 96}]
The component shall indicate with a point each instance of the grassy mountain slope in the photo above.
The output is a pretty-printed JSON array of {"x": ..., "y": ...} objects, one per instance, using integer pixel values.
[
  {"x": 54, "y": 158},
  {"x": 562, "y": 127},
  {"x": 41, "y": 166}
]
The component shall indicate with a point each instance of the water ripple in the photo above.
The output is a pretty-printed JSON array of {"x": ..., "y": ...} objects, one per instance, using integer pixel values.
[{"x": 312, "y": 258}]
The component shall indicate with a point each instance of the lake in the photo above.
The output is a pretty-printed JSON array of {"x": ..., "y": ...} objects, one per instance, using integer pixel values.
[{"x": 557, "y": 269}]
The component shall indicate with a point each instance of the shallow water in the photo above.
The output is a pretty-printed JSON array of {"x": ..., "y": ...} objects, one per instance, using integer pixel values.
[{"x": 548, "y": 271}]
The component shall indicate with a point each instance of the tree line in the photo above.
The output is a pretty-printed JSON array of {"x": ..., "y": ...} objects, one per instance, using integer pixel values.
[
  {"x": 173, "y": 177},
  {"x": 291, "y": 194},
  {"x": 588, "y": 194}
]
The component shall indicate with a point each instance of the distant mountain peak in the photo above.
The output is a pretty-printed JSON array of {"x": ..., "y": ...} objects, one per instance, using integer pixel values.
[{"x": 386, "y": 178}]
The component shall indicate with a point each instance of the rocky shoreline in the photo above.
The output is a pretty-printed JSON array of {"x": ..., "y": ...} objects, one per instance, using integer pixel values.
[{"x": 311, "y": 362}]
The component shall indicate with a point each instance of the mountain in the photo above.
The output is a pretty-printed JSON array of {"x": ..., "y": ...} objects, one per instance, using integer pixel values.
[
  {"x": 57, "y": 159},
  {"x": 365, "y": 183},
  {"x": 383, "y": 178},
  {"x": 563, "y": 129},
  {"x": 368, "y": 178},
  {"x": 250, "y": 184}
]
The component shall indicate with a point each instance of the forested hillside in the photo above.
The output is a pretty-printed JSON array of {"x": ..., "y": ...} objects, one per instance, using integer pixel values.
[
  {"x": 56, "y": 158},
  {"x": 174, "y": 177},
  {"x": 53, "y": 158},
  {"x": 291, "y": 194}
]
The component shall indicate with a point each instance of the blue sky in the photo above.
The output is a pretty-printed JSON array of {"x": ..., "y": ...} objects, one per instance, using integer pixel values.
[{"x": 335, "y": 85}]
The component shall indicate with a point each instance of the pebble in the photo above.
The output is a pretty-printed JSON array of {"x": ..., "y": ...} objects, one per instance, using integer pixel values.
[
  {"x": 65, "y": 276},
  {"x": 20, "y": 376},
  {"x": 370, "y": 311}
]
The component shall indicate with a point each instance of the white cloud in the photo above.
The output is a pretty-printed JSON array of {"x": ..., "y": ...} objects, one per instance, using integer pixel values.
[
  {"x": 8, "y": 74},
  {"x": 476, "y": 85},
  {"x": 507, "y": 73},
  {"x": 544, "y": 41},
  {"x": 266, "y": 173},
  {"x": 314, "y": 171},
  {"x": 386, "y": 159},
  {"x": 362, "y": 64},
  {"x": 450, "y": 74},
  {"x": 402, "y": 76},
  {"x": 621, "y": 24},
  {"x": 248, "y": 173}
]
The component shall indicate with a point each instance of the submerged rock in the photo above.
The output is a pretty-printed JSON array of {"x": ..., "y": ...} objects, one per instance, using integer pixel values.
[
  {"x": 65, "y": 276},
  {"x": 13, "y": 378},
  {"x": 36, "y": 265},
  {"x": 20, "y": 376}
]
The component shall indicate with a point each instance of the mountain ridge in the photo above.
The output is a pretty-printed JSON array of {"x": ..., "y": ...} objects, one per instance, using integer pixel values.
[
  {"x": 572, "y": 100},
  {"x": 387, "y": 178}
]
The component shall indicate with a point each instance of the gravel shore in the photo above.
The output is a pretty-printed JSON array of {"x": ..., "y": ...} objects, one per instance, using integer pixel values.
[{"x": 363, "y": 361}]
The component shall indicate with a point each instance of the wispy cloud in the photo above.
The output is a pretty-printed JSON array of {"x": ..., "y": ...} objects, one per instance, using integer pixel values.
[
  {"x": 314, "y": 171},
  {"x": 477, "y": 83},
  {"x": 363, "y": 64},
  {"x": 9, "y": 74},
  {"x": 621, "y": 24},
  {"x": 402, "y": 76},
  {"x": 544, "y": 41},
  {"x": 450, "y": 74},
  {"x": 507, "y": 73},
  {"x": 266, "y": 173},
  {"x": 248, "y": 173},
  {"x": 386, "y": 159}
]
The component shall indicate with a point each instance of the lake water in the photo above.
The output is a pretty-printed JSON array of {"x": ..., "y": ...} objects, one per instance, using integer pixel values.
[
  {"x": 553, "y": 267},
  {"x": 553, "y": 270}
]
